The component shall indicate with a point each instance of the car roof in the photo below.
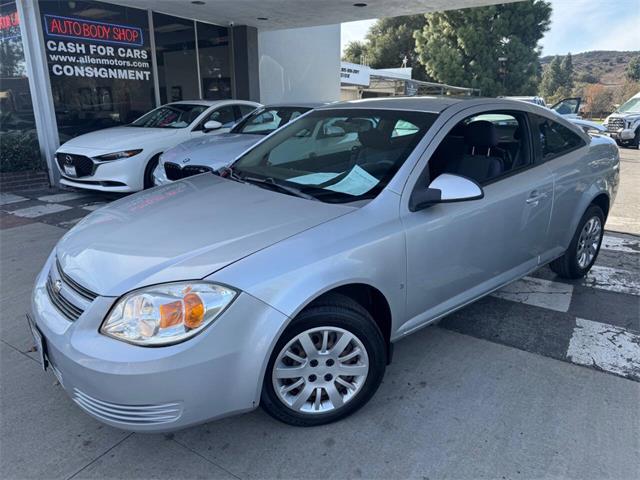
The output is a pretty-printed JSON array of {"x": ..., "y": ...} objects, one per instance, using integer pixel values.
[
  {"x": 435, "y": 104},
  {"x": 210, "y": 103},
  {"x": 295, "y": 105}
]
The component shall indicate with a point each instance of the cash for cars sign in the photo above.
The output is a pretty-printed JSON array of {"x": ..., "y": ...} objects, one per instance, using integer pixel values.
[{"x": 83, "y": 48}]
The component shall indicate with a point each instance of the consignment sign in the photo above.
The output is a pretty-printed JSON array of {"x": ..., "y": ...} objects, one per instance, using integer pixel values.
[{"x": 83, "y": 48}]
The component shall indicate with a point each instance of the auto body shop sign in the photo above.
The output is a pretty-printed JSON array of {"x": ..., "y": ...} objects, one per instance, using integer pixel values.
[{"x": 84, "y": 48}]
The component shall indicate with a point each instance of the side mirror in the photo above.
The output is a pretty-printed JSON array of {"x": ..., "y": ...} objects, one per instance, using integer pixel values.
[
  {"x": 333, "y": 131},
  {"x": 446, "y": 188},
  {"x": 212, "y": 125}
]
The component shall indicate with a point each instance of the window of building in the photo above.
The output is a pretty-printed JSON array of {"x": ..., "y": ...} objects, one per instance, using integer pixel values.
[
  {"x": 19, "y": 149},
  {"x": 176, "y": 56},
  {"x": 215, "y": 63},
  {"x": 99, "y": 61}
]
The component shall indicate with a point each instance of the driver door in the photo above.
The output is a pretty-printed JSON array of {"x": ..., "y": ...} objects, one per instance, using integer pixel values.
[
  {"x": 459, "y": 251},
  {"x": 568, "y": 107}
]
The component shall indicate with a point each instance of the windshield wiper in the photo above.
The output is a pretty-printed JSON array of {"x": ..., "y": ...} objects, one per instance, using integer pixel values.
[
  {"x": 229, "y": 172},
  {"x": 271, "y": 183}
]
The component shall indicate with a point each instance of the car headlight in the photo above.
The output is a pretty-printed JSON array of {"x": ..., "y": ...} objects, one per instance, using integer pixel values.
[
  {"x": 118, "y": 155},
  {"x": 166, "y": 314}
]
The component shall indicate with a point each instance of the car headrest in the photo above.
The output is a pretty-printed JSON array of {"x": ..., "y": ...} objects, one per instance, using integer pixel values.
[
  {"x": 481, "y": 134},
  {"x": 373, "y": 138}
]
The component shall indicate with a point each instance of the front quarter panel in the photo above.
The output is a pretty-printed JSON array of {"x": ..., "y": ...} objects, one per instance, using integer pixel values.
[{"x": 366, "y": 246}]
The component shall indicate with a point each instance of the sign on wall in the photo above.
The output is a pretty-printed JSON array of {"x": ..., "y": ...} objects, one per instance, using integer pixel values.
[
  {"x": 354, "y": 74},
  {"x": 78, "y": 47}
]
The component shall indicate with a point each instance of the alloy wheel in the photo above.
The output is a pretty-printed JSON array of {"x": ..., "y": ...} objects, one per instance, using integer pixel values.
[
  {"x": 588, "y": 242},
  {"x": 320, "y": 370}
]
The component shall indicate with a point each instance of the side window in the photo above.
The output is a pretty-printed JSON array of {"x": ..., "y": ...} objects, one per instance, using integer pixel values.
[
  {"x": 556, "y": 139},
  {"x": 484, "y": 147},
  {"x": 224, "y": 115},
  {"x": 245, "y": 110}
]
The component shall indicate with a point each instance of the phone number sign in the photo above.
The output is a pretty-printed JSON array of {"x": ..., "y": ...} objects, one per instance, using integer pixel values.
[{"x": 81, "y": 29}]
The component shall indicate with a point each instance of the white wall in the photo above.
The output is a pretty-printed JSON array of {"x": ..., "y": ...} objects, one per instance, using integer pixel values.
[{"x": 300, "y": 64}]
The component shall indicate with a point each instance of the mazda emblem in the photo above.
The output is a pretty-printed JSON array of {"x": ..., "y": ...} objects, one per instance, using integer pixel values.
[
  {"x": 68, "y": 159},
  {"x": 57, "y": 286}
]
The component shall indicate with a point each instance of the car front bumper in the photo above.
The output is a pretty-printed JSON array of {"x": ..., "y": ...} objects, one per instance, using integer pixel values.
[
  {"x": 119, "y": 176},
  {"x": 215, "y": 374},
  {"x": 623, "y": 134}
]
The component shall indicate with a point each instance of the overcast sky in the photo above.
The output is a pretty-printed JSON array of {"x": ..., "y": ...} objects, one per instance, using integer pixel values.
[{"x": 576, "y": 26}]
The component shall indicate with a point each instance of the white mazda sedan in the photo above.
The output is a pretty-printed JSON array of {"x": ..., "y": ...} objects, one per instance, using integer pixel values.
[{"x": 122, "y": 159}]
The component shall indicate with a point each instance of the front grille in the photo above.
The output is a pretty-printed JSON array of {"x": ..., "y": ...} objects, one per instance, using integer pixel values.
[
  {"x": 615, "y": 124},
  {"x": 64, "y": 306},
  {"x": 75, "y": 286},
  {"x": 175, "y": 172},
  {"x": 84, "y": 165},
  {"x": 128, "y": 414},
  {"x": 58, "y": 283}
]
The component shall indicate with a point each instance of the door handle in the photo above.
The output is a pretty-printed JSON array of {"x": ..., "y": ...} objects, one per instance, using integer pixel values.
[{"x": 535, "y": 197}]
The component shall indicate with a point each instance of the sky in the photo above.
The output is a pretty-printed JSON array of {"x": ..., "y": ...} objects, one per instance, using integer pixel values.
[{"x": 576, "y": 26}]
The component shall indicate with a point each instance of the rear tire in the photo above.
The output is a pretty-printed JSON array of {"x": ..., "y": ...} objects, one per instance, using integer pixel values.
[
  {"x": 636, "y": 140},
  {"x": 584, "y": 248},
  {"x": 148, "y": 172},
  {"x": 319, "y": 392}
]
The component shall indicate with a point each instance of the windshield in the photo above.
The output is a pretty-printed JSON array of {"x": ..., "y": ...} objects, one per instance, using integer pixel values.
[
  {"x": 174, "y": 115},
  {"x": 336, "y": 156},
  {"x": 266, "y": 120},
  {"x": 630, "y": 106}
]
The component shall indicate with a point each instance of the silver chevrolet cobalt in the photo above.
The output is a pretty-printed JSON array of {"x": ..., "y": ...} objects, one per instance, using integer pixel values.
[{"x": 285, "y": 279}]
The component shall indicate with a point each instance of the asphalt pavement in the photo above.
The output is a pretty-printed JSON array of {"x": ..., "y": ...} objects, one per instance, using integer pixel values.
[{"x": 539, "y": 380}]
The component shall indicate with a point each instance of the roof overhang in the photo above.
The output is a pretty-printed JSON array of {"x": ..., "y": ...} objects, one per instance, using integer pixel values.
[{"x": 280, "y": 14}]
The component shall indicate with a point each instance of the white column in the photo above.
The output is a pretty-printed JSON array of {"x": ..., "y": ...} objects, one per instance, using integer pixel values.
[{"x": 39, "y": 85}]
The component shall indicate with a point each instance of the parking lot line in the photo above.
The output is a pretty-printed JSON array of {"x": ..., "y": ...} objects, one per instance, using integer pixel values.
[{"x": 605, "y": 347}]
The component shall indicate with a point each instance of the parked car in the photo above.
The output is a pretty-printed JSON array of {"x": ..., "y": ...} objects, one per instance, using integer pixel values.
[
  {"x": 122, "y": 159},
  {"x": 623, "y": 125},
  {"x": 287, "y": 282},
  {"x": 210, "y": 153},
  {"x": 567, "y": 107}
]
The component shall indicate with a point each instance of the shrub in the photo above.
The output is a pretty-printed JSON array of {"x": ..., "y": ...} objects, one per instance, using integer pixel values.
[{"x": 19, "y": 151}]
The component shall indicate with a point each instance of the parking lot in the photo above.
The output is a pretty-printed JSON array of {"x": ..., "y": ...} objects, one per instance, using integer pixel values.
[{"x": 540, "y": 379}]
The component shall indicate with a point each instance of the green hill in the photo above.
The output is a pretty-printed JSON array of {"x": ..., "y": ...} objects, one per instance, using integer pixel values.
[{"x": 605, "y": 67}]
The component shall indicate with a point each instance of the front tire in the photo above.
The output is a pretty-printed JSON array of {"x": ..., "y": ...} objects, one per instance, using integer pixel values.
[
  {"x": 326, "y": 365},
  {"x": 584, "y": 248}
]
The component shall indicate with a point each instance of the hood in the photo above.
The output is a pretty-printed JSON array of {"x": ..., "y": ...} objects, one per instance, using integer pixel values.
[
  {"x": 118, "y": 138},
  {"x": 626, "y": 116},
  {"x": 182, "y": 231},
  {"x": 213, "y": 151}
]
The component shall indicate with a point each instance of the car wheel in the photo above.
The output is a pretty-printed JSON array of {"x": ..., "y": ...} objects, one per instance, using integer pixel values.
[
  {"x": 326, "y": 365},
  {"x": 148, "y": 172},
  {"x": 584, "y": 248}
]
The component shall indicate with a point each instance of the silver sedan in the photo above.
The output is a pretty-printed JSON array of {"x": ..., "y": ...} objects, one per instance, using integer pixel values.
[{"x": 285, "y": 280}]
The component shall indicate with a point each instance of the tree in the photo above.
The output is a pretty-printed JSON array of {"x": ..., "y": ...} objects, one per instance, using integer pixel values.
[
  {"x": 388, "y": 42},
  {"x": 633, "y": 69},
  {"x": 355, "y": 52},
  {"x": 598, "y": 100},
  {"x": 567, "y": 83},
  {"x": 552, "y": 80},
  {"x": 492, "y": 48}
]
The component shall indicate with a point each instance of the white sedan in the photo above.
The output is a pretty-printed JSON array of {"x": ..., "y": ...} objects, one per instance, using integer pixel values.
[{"x": 122, "y": 159}]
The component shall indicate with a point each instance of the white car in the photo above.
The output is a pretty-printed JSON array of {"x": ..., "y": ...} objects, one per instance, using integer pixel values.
[
  {"x": 122, "y": 159},
  {"x": 623, "y": 125}
]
